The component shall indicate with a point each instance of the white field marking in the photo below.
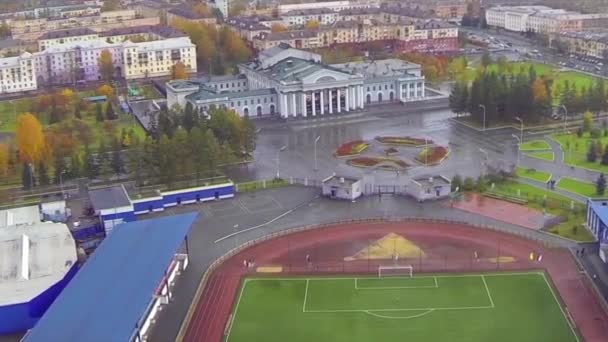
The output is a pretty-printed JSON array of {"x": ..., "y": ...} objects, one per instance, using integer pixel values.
[
  {"x": 305, "y": 296},
  {"x": 487, "y": 290},
  {"x": 560, "y": 307},
  {"x": 357, "y": 287},
  {"x": 395, "y": 317},
  {"x": 437, "y": 276},
  {"x": 236, "y": 309}
]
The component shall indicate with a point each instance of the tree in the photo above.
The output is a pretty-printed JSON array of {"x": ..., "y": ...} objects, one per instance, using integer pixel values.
[
  {"x": 116, "y": 161},
  {"x": 201, "y": 9},
  {"x": 592, "y": 152},
  {"x": 89, "y": 168},
  {"x": 106, "y": 66},
  {"x": 75, "y": 169},
  {"x": 456, "y": 182},
  {"x": 110, "y": 114},
  {"x": 27, "y": 177},
  {"x": 59, "y": 168},
  {"x": 105, "y": 90},
  {"x": 605, "y": 157},
  {"x": 600, "y": 184},
  {"x": 43, "y": 175},
  {"x": 502, "y": 64},
  {"x": 30, "y": 139},
  {"x": 457, "y": 66},
  {"x": 278, "y": 27},
  {"x": 587, "y": 121},
  {"x": 190, "y": 117},
  {"x": 178, "y": 71},
  {"x": 77, "y": 113},
  {"x": 167, "y": 163},
  {"x": 98, "y": 112},
  {"x": 486, "y": 59},
  {"x": 312, "y": 24},
  {"x": 459, "y": 98},
  {"x": 5, "y": 30},
  {"x": 4, "y": 159}
]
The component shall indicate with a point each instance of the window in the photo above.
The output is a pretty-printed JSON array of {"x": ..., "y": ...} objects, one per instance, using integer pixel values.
[
  {"x": 238, "y": 103},
  {"x": 374, "y": 88},
  {"x": 259, "y": 101}
]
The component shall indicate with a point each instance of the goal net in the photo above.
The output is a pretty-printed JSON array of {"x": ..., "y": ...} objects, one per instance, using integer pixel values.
[{"x": 395, "y": 271}]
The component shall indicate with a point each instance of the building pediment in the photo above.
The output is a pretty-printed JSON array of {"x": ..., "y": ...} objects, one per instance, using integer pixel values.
[{"x": 325, "y": 76}]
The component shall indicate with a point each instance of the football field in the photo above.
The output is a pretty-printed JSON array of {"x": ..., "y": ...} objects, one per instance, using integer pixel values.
[{"x": 461, "y": 307}]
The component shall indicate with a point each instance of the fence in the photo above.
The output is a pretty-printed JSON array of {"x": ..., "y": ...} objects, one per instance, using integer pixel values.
[
  {"x": 324, "y": 260},
  {"x": 275, "y": 183}
]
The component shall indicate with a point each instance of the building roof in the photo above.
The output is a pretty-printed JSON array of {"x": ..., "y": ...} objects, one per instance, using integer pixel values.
[
  {"x": 11, "y": 43},
  {"x": 309, "y": 11},
  {"x": 273, "y": 51},
  {"x": 379, "y": 68},
  {"x": 110, "y": 294},
  {"x": 82, "y": 31},
  {"x": 600, "y": 207},
  {"x": 340, "y": 181},
  {"x": 32, "y": 259},
  {"x": 186, "y": 12},
  {"x": 109, "y": 198},
  {"x": 287, "y": 35},
  {"x": 432, "y": 180},
  {"x": 155, "y": 45},
  {"x": 211, "y": 95},
  {"x": 160, "y": 30},
  {"x": 18, "y": 216}
]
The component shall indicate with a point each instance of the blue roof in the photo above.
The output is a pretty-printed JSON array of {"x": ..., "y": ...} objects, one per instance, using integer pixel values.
[
  {"x": 600, "y": 207},
  {"x": 110, "y": 293}
]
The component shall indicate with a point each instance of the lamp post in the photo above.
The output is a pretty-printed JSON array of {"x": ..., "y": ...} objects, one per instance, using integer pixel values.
[
  {"x": 521, "y": 129},
  {"x": 485, "y": 161},
  {"x": 518, "y": 144},
  {"x": 316, "y": 141},
  {"x": 484, "y": 116},
  {"x": 565, "y": 116},
  {"x": 278, "y": 160}
]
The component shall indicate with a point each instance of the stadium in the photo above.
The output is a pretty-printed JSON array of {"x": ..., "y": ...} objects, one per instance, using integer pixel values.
[{"x": 379, "y": 279}]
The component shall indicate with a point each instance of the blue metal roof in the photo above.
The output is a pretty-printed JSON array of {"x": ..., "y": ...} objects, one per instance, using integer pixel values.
[
  {"x": 110, "y": 293},
  {"x": 600, "y": 207}
]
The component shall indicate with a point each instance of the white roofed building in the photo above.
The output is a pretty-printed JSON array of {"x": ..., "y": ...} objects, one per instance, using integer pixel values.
[{"x": 17, "y": 73}]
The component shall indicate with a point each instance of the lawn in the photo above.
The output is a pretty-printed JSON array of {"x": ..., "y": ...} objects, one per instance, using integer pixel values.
[
  {"x": 578, "y": 187},
  {"x": 499, "y": 307},
  {"x": 543, "y": 155},
  {"x": 539, "y": 176},
  {"x": 575, "y": 150},
  {"x": 534, "y": 145}
]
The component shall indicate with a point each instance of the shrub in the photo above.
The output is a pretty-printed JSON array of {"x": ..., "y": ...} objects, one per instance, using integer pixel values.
[
  {"x": 596, "y": 133},
  {"x": 579, "y": 132},
  {"x": 456, "y": 182},
  {"x": 469, "y": 184},
  {"x": 481, "y": 184}
]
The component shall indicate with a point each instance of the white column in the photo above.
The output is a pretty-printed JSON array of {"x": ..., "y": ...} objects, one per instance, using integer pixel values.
[
  {"x": 347, "y": 100},
  {"x": 293, "y": 105},
  {"x": 361, "y": 97},
  {"x": 338, "y": 100},
  {"x": 353, "y": 101},
  {"x": 322, "y": 92},
  {"x": 423, "y": 90},
  {"x": 283, "y": 103},
  {"x": 303, "y": 104},
  {"x": 314, "y": 99},
  {"x": 329, "y": 92}
]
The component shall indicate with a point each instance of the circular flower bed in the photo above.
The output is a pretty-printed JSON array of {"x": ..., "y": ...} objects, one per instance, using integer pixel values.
[
  {"x": 406, "y": 141},
  {"x": 378, "y": 162},
  {"x": 351, "y": 148},
  {"x": 432, "y": 155}
]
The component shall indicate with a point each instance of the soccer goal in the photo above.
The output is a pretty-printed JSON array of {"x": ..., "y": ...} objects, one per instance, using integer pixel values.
[{"x": 395, "y": 271}]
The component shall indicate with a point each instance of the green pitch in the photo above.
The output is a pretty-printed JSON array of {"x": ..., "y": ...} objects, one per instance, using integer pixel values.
[{"x": 469, "y": 307}]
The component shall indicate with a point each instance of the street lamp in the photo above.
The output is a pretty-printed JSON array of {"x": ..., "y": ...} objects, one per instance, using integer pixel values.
[
  {"x": 565, "y": 116},
  {"x": 278, "y": 160},
  {"x": 484, "y": 116},
  {"x": 521, "y": 129},
  {"x": 485, "y": 161},
  {"x": 316, "y": 141},
  {"x": 518, "y": 145}
]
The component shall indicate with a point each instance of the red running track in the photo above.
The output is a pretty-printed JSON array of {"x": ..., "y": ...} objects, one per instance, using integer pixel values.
[{"x": 448, "y": 248}]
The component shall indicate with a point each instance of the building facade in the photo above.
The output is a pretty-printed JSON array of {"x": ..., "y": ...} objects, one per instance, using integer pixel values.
[
  {"x": 289, "y": 83},
  {"x": 586, "y": 43},
  {"x": 18, "y": 74}
]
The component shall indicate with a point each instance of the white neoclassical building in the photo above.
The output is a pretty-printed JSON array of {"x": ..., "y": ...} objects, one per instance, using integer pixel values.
[{"x": 294, "y": 83}]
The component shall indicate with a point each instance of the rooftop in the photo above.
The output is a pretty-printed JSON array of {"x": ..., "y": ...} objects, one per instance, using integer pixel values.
[
  {"x": 74, "y": 32},
  {"x": 110, "y": 294},
  {"x": 109, "y": 198},
  {"x": 187, "y": 12},
  {"x": 380, "y": 68},
  {"x": 210, "y": 94},
  {"x": 32, "y": 259},
  {"x": 432, "y": 180},
  {"x": 169, "y": 43},
  {"x": 19, "y": 216},
  {"x": 287, "y": 35},
  {"x": 340, "y": 181},
  {"x": 160, "y": 30},
  {"x": 309, "y": 11}
]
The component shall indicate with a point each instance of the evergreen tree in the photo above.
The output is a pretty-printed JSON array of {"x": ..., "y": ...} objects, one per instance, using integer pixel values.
[
  {"x": 75, "y": 166},
  {"x": 90, "y": 168},
  {"x": 27, "y": 177},
  {"x": 600, "y": 184},
  {"x": 456, "y": 182},
  {"x": 43, "y": 175},
  {"x": 190, "y": 117},
  {"x": 110, "y": 115},
  {"x": 77, "y": 113},
  {"x": 592, "y": 153},
  {"x": 54, "y": 114},
  {"x": 116, "y": 162},
  {"x": 59, "y": 168},
  {"x": 167, "y": 166},
  {"x": 605, "y": 157},
  {"x": 98, "y": 112}
]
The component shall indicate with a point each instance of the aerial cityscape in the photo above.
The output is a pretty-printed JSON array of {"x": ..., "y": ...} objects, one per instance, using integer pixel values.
[{"x": 301, "y": 170}]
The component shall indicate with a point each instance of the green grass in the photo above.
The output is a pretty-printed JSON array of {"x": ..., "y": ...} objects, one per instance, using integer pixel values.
[
  {"x": 543, "y": 155},
  {"x": 534, "y": 145},
  {"x": 472, "y": 308},
  {"x": 578, "y": 187},
  {"x": 539, "y": 176},
  {"x": 575, "y": 150}
]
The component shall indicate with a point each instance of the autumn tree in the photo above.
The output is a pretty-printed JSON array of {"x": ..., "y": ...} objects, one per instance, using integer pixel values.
[
  {"x": 312, "y": 24},
  {"x": 30, "y": 139},
  {"x": 541, "y": 95},
  {"x": 106, "y": 66},
  {"x": 178, "y": 71},
  {"x": 201, "y": 9},
  {"x": 105, "y": 90},
  {"x": 278, "y": 27},
  {"x": 4, "y": 159},
  {"x": 110, "y": 114},
  {"x": 99, "y": 112}
]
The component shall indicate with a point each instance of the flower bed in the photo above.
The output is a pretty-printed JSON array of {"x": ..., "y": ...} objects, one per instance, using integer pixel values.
[
  {"x": 407, "y": 141},
  {"x": 351, "y": 148},
  {"x": 390, "y": 151},
  {"x": 432, "y": 155},
  {"x": 378, "y": 162}
]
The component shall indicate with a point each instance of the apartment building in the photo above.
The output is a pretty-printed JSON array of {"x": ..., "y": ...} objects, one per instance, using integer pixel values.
[
  {"x": 33, "y": 29},
  {"x": 184, "y": 13},
  {"x": 325, "y": 16},
  {"x": 157, "y": 58},
  {"x": 331, "y": 5},
  {"x": 586, "y": 43},
  {"x": 17, "y": 73},
  {"x": 52, "y": 38}
]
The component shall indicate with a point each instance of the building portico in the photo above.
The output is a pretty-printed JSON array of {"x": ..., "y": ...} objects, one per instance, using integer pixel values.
[{"x": 321, "y": 101}]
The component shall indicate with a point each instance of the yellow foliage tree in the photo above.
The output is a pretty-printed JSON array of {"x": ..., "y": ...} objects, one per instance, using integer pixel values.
[
  {"x": 4, "y": 160},
  {"x": 30, "y": 139},
  {"x": 539, "y": 91},
  {"x": 66, "y": 95},
  {"x": 312, "y": 24},
  {"x": 201, "y": 9},
  {"x": 278, "y": 27},
  {"x": 105, "y": 90},
  {"x": 178, "y": 72},
  {"x": 106, "y": 66}
]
